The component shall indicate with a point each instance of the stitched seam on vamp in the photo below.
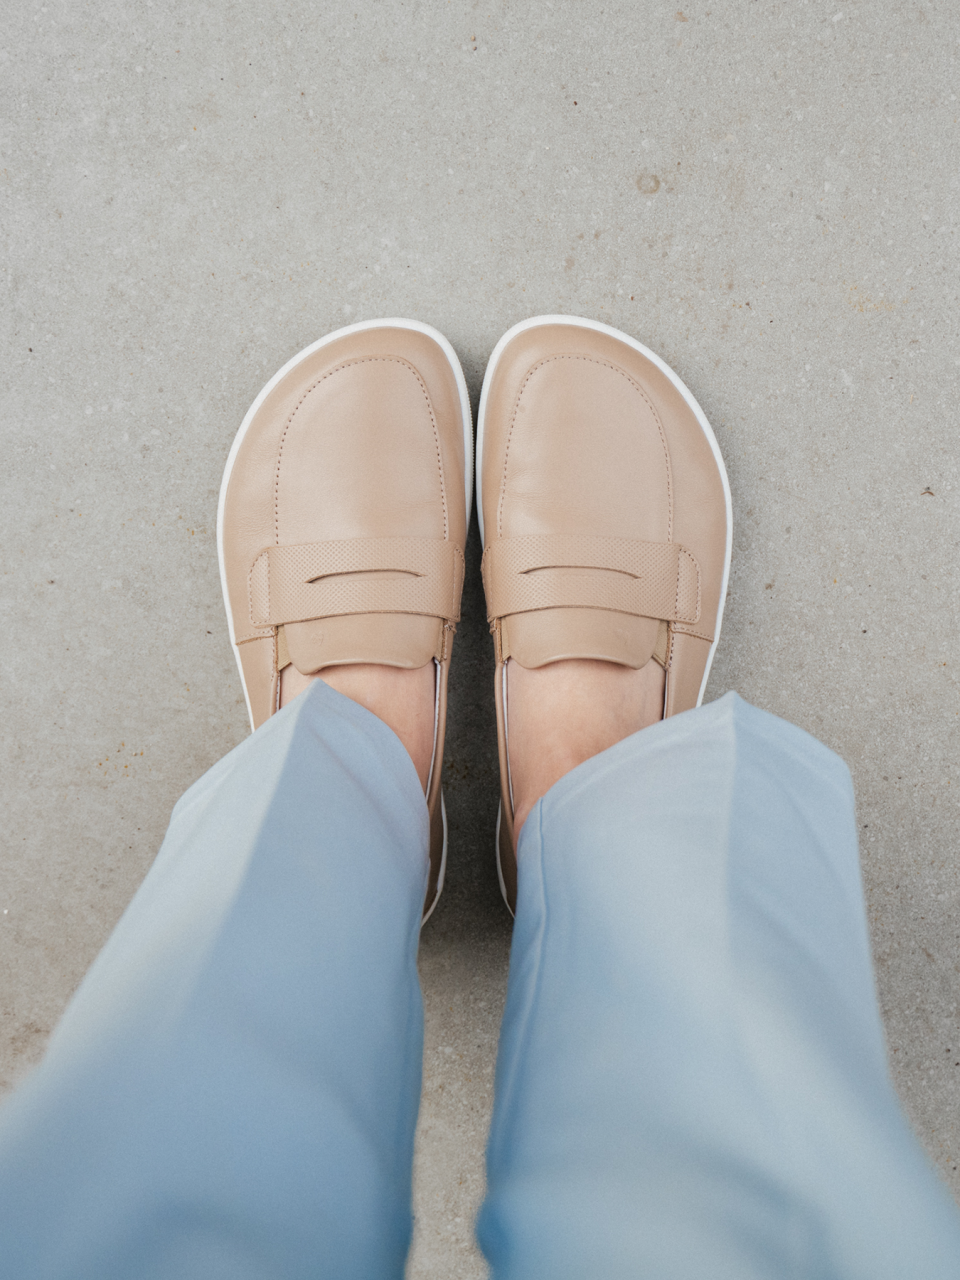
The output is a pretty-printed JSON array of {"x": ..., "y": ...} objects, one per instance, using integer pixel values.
[
  {"x": 676, "y": 602},
  {"x": 263, "y": 631},
  {"x": 682, "y": 630},
  {"x": 604, "y": 364},
  {"x": 696, "y": 569},
  {"x": 348, "y": 364}
]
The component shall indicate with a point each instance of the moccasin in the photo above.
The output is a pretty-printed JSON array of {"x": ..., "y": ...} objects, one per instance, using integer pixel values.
[
  {"x": 343, "y": 518},
  {"x": 605, "y": 517}
]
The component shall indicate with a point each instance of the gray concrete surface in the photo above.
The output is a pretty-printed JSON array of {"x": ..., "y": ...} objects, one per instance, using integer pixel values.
[{"x": 765, "y": 193}]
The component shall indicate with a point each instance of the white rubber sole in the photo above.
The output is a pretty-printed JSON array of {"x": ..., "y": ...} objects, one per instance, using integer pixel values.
[
  {"x": 454, "y": 363},
  {"x": 443, "y": 865},
  {"x": 503, "y": 887},
  {"x": 688, "y": 396}
]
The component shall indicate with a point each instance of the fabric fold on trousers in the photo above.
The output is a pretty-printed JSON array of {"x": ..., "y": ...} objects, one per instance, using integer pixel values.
[
  {"x": 692, "y": 1076},
  {"x": 234, "y": 1088}
]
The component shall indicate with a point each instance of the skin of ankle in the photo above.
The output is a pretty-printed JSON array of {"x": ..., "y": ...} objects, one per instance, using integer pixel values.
[
  {"x": 562, "y": 714},
  {"x": 405, "y": 700}
]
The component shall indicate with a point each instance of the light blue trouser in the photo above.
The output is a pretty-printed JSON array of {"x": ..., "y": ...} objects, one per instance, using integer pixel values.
[{"x": 691, "y": 1079}]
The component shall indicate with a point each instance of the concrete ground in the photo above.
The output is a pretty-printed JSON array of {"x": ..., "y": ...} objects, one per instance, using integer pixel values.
[{"x": 765, "y": 193}]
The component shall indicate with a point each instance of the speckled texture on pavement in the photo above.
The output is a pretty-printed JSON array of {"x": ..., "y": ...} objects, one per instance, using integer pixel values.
[{"x": 765, "y": 193}]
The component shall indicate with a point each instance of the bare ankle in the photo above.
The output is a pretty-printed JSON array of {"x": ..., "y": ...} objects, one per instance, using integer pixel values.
[
  {"x": 403, "y": 699},
  {"x": 563, "y": 714}
]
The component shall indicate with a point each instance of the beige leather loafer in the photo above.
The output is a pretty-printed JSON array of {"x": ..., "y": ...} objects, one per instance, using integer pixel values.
[
  {"x": 605, "y": 517},
  {"x": 343, "y": 518}
]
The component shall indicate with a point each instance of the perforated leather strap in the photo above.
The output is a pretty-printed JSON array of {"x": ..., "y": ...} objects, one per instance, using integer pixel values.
[
  {"x": 648, "y": 579},
  {"x": 329, "y": 579}
]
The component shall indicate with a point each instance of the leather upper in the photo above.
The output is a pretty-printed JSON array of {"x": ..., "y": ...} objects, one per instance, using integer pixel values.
[
  {"x": 343, "y": 523},
  {"x": 344, "y": 518},
  {"x": 604, "y": 516},
  {"x": 591, "y": 448}
]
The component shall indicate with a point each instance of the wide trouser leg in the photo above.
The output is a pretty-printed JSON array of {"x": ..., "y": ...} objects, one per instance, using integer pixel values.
[
  {"x": 692, "y": 1078},
  {"x": 233, "y": 1091}
]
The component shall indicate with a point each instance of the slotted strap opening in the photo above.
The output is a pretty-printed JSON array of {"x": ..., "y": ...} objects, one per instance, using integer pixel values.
[
  {"x": 647, "y": 579},
  {"x": 356, "y": 575}
]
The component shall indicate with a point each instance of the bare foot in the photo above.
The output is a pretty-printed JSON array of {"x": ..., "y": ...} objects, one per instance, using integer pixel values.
[
  {"x": 564, "y": 713},
  {"x": 405, "y": 700}
]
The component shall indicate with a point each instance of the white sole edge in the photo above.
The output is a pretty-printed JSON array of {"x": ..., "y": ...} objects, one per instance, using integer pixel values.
[
  {"x": 503, "y": 887},
  {"x": 392, "y": 323},
  {"x": 538, "y": 321},
  {"x": 443, "y": 865}
]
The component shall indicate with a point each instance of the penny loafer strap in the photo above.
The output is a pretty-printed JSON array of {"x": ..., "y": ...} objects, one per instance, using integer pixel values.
[
  {"x": 356, "y": 575},
  {"x": 647, "y": 579}
]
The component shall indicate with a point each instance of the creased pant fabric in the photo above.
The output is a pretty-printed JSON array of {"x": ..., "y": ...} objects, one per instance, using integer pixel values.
[
  {"x": 691, "y": 1078},
  {"x": 233, "y": 1091}
]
